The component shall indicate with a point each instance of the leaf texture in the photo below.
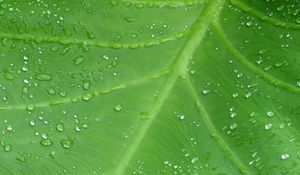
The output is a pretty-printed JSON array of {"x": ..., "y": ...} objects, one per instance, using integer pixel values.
[{"x": 149, "y": 87}]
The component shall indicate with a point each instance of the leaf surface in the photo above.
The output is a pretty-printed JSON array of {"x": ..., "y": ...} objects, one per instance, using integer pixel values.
[{"x": 149, "y": 87}]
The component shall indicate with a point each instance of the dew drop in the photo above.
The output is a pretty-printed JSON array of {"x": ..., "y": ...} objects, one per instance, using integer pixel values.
[
  {"x": 90, "y": 35},
  {"x": 51, "y": 91},
  {"x": 106, "y": 57},
  {"x": 7, "y": 148},
  {"x": 78, "y": 60},
  {"x": 52, "y": 154},
  {"x": 268, "y": 126},
  {"x": 194, "y": 160},
  {"x": 86, "y": 85},
  {"x": 30, "y": 107},
  {"x": 32, "y": 123},
  {"x": 181, "y": 117},
  {"x": 285, "y": 156},
  {"x": 129, "y": 19},
  {"x": 9, "y": 128},
  {"x": 233, "y": 126},
  {"x": 66, "y": 143},
  {"x": 59, "y": 127},
  {"x": 87, "y": 97},
  {"x": 118, "y": 108},
  {"x": 270, "y": 114},
  {"x": 46, "y": 142},
  {"x": 43, "y": 77},
  {"x": 205, "y": 91}
]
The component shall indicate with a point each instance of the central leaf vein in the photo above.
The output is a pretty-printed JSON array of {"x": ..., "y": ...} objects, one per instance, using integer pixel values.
[{"x": 179, "y": 68}]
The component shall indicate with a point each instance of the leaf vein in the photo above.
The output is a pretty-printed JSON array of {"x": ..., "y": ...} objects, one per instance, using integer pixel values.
[
  {"x": 213, "y": 131},
  {"x": 199, "y": 29},
  {"x": 276, "y": 22},
  {"x": 74, "y": 41},
  {"x": 91, "y": 93},
  {"x": 273, "y": 80}
]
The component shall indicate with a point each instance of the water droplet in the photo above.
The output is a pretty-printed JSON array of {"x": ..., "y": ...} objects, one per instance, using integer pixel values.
[
  {"x": 248, "y": 95},
  {"x": 285, "y": 156},
  {"x": 268, "y": 126},
  {"x": 44, "y": 136},
  {"x": 8, "y": 76},
  {"x": 9, "y": 128},
  {"x": 90, "y": 35},
  {"x": 43, "y": 77},
  {"x": 51, "y": 91},
  {"x": 66, "y": 143},
  {"x": 118, "y": 108},
  {"x": 21, "y": 158},
  {"x": 32, "y": 123},
  {"x": 46, "y": 142},
  {"x": 77, "y": 128},
  {"x": 86, "y": 85},
  {"x": 7, "y": 147},
  {"x": 129, "y": 19},
  {"x": 270, "y": 114},
  {"x": 233, "y": 126},
  {"x": 205, "y": 91},
  {"x": 114, "y": 2},
  {"x": 235, "y": 95},
  {"x": 194, "y": 160},
  {"x": 106, "y": 57},
  {"x": 249, "y": 23},
  {"x": 87, "y": 97},
  {"x": 30, "y": 107},
  {"x": 60, "y": 127},
  {"x": 52, "y": 154},
  {"x": 78, "y": 60}
]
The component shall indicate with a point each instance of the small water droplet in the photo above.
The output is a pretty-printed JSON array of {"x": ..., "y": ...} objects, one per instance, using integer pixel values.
[
  {"x": 60, "y": 127},
  {"x": 118, "y": 108},
  {"x": 32, "y": 123},
  {"x": 7, "y": 147},
  {"x": 30, "y": 107},
  {"x": 268, "y": 126},
  {"x": 46, "y": 142},
  {"x": 86, "y": 85},
  {"x": 78, "y": 60},
  {"x": 9, "y": 128},
  {"x": 233, "y": 126},
  {"x": 270, "y": 114},
  {"x": 194, "y": 160},
  {"x": 181, "y": 117},
  {"x": 285, "y": 156},
  {"x": 66, "y": 143},
  {"x": 43, "y": 77},
  {"x": 52, "y": 154},
  {"x": 129, "y": 19},
  {"x": 106, "y": 57}
]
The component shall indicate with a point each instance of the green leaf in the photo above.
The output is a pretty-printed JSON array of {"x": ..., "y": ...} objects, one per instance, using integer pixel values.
[{"x": 149, "y": 87}]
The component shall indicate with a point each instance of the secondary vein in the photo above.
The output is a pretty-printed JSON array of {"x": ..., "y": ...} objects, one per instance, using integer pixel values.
[
  {"x": 162, "y": 3},
  {"x": 95, "y": 43},
  {"x": 277, "y": 22},
  {"x": 273, "y": 80},
  {"x": 194, "y": 39},
  {"x": 213, "y": 131},
  {"x": 90, "y": 93}
]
